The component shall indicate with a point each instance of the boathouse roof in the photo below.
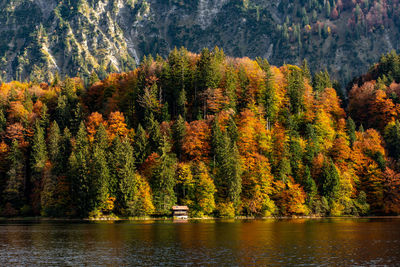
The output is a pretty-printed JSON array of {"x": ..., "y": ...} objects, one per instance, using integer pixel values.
[{"x": 174, "y": 208}]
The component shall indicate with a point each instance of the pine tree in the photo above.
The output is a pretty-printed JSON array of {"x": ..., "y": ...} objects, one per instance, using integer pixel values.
[
  {"x": 65, "y": 149},
  {"x": 99, "y": 171},
  {"x": 330, "y": 180},
  {"x": 296, "y": 156},
  {"x": 140, "y": 146},
  {"x": 230, "y": 86},
  {"x": 227, "y": 166},
  {"x": 296, "y": 91},
  {"x": 178, "y": 134},
  {"x": 153, "y": 129},
  {"x": 232, "y": 130},
  {"x": 392, "y": 137},
  {"x": 351, "y": 130},
  {"x": 321, "y": 81},
  {"x": 177, "y": 77},
  {"x": 44, "y": 117},
  {"x": 38, "y": 162},
  {"x": 62, "y": 112},
  {"x": 163, "y": 179},
  {"x": 15, "y": 185},
  {"x": 309, "y": 185},
  {"x": 305, "y": 69},
  {"x": 79, "y": 165},
  {"x": 128, "y": 184},
  {"x": 39, "y": 152}
]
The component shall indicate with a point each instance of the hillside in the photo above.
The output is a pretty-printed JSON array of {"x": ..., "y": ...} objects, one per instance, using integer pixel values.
[
  {"x": 225, "y": 136},
  {"x": 75, "y": 37}
]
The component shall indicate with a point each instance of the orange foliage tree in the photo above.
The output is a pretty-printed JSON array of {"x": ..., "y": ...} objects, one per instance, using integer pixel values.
[{"x": 196, "y": 143}]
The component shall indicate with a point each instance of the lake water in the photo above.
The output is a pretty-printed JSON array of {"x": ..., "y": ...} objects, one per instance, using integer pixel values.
[{"x": 300, "y": 242}]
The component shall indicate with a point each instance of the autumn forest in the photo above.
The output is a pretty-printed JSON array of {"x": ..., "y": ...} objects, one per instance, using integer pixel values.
[{"x": 225, "y": 136}]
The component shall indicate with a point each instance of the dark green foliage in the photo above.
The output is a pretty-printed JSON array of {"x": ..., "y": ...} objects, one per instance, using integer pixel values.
[
  {"x": 329, "y": 180},
  {"x": 389, "y": 66},
  {"x": 351, "y": 130},
  {"x": 123, "y": 178},
  {"x": 153, "y": 129},
  {"x": 268, "y": 97},
  {"x": 227, "y": 166},
  {"x": 178, "y": 133},
  {"x": 321, "y": 81},
  {"x": 296, "y": 157},
  {"x": 177, "y": 79},
  {"x": 309, "y": 184},
  {"x": 39, "y": 151},
  {"x": 392, "y": 137},
  {"x": 54, "y": 143},
  {"x": 305, "y": 70},
  {"x": 163, "y": 179},
  {"x": 208, "y": 74},
  {"x": 99, "y": 170},
  {"x": 140, "y": 146},
  {"x": 296, "y": 91},
  {"x": 15, "y": 188},
  {"x": 79, "y": 165}
]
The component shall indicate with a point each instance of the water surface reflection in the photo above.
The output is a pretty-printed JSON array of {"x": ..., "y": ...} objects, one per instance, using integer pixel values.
[{"x": 330, "y": 242}]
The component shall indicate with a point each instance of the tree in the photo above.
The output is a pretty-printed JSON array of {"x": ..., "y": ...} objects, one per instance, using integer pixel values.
[
  {"x": 117, "y": 125},
  {"x": 140, "y": 146},
  {"x": 82, "y": 189},
  {"x": 142, "y": 204},
  {"x": 305, "y": 70},
  {"x": 177, "y": 78},
  {"x": 392, "y": 138},
  {"x": 128, "y": 180},
  {"x": 54, "y": 142},
  {"x": 321, "y": 81},
  {"x": 204, "y": 192},
  {"x": 185, "y": 185},
  {"x": 196, "y": 144},
  {"x": 163, "y": 179},
  {"x": 228, "y": 166},
  {"x": 391, "y": 192},
  {"x": 329, "y": 180},
  {"x": 292, "y": 199},
  {"x": 38, "y": 162},
  {"x": 100, "y": 173},
  {"x": 178, "y": 134},
  {"x": 296, "y": 91},
  {"x": 39, "y": 151},
  {"x": 351, "y": 130},
  {"x": 153, "y": 130},
  {"x": 93, "y": 122},
  {"x": 309, "y": 185},
  {"x": 15, "y": 186}
]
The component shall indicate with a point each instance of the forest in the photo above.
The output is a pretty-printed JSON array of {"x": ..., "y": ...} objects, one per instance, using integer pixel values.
[{"x": 225, "y": 136}]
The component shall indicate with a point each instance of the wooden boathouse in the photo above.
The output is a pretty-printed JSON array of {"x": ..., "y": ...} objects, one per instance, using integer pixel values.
[{"x": 180, "y": 212}]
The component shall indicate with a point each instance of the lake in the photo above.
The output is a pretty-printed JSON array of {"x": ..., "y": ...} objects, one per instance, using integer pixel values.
[{"x": 300, "y": 242}]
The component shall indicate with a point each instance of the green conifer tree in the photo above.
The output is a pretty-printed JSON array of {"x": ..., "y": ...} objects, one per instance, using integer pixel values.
[
  {"x": 163, "y": 179},
  {"x": 15, "y": 185},
  {"x": 140, "y": 146}
]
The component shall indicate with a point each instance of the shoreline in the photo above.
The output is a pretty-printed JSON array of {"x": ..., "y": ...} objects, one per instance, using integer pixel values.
[{"x": 239, "y": 218}]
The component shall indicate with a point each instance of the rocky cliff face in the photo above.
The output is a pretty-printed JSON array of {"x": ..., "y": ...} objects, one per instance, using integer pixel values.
[{"x": 75, "y": 37}]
